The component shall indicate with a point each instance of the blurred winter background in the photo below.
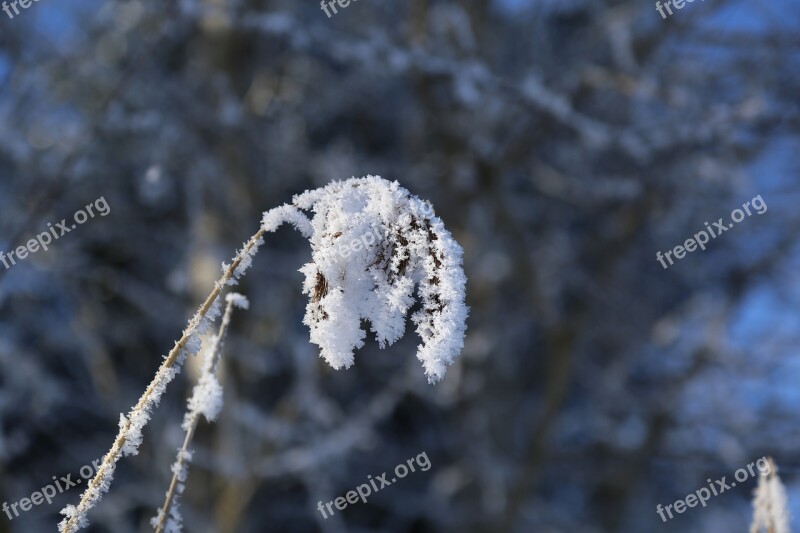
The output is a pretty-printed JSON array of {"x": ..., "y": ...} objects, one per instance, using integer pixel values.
[{"x": 563, "y": 142}]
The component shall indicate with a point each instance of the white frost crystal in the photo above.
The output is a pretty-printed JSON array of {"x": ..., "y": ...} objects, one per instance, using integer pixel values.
[
  {"x": 770, "y": 509},
  {"x": 372, "y": 243}
]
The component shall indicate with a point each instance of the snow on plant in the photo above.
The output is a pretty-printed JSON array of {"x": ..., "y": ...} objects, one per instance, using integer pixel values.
[
  {"x": 130, "y": 428},
  {"x": 770, "y": 512},
  {"x": 206, "y": 400},
  {"x": 372, "y": 280},
  {"x": 375, "y": 280}
]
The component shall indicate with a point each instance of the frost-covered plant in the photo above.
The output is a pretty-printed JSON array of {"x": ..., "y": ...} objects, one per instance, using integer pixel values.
[
  {"x": 350, "y": 278},
  {"x": 206, "y": 400},
  {"x": 770, "y": 511},
  {"x": 353, "y": 278}
]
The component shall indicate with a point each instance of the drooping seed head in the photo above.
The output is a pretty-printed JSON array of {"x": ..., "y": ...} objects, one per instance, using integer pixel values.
[{"x": 373, "y": 243}]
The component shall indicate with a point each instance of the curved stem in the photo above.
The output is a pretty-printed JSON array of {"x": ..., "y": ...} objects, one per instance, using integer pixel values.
[
  {"x": 192, "y": 422},
  {"x": 113, "y": 454}
]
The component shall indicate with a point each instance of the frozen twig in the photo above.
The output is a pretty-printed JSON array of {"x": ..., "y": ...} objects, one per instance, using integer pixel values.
[
  {"x": 206, "y": 400},
  {"x": 770, "y": 512},
  {"x": 129, "y": 436}
]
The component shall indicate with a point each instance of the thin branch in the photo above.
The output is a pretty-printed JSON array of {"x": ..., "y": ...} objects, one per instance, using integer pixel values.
[
  {"x": 192, "y": 419},
  {"x": 91, "y": 494}
]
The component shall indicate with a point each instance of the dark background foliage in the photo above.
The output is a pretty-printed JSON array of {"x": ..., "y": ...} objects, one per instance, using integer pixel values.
[{"x": 563, "y": 143}]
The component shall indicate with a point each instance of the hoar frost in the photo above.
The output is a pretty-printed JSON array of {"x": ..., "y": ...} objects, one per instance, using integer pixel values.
[
  {"x": 206, "y": 400},
  {"x": 355, "y": 276},
  {"x": 373, "y": 244},
  {"x": 770, "y": 509}
]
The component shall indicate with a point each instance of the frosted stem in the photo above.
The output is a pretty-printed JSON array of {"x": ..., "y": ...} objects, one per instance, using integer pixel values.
[
  {"x": 76, "y": 519},
  {"x": 191, "y": 422}
]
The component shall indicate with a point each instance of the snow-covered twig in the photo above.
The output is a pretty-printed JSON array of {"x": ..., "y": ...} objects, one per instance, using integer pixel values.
[
  {"x": 130, "y": 430},
  {"x": 206, "y": 400},
  {"x": 770, "y": 512}
]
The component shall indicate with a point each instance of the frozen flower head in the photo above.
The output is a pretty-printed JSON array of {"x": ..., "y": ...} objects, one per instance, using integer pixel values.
[{"x": 373, "y": 244}]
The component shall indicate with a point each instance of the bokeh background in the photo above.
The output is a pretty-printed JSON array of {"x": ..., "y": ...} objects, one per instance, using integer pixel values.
[{"x": 563, "y": 142}]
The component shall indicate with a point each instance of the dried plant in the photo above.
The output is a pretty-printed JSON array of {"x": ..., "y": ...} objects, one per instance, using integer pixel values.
[
  {"x": 353, "y": 278},
  {"x": 129, "y": 436},
  {"x": 206, "y": 400},
  {"x": 350, "y": 279},
  {"x": 770, "y": 512}
]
